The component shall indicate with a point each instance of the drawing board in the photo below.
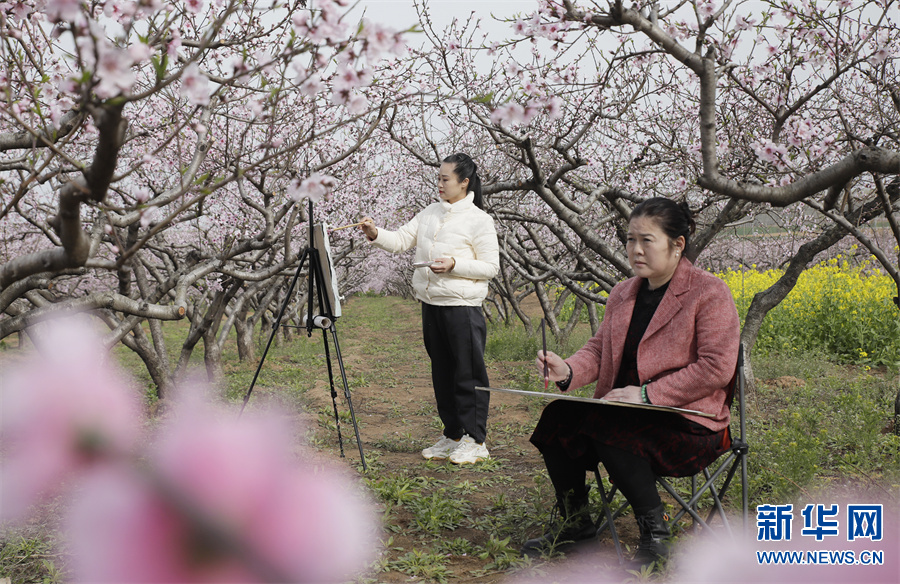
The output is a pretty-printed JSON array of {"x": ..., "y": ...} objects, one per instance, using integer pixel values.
[
  {"x": 549, "y": 396},
  {"x": 329, "y": 277}
]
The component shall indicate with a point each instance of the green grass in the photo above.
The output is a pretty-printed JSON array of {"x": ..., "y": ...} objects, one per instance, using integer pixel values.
[
  {"x": 828, "y": 425},
  {"x": 513, "y": 343},
  {"x": 27, "y": 559}
]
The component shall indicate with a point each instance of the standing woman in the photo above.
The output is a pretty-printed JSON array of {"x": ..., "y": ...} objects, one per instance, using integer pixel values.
[
  {"x": 669, "y": 337},
  {"x": 460, "y": 241}
]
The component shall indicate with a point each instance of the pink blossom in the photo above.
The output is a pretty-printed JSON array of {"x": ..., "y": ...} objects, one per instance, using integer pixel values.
[
  {"x": 530, "y": 88},
  {"x": 113, "y": 71},
  {"x": 120, "y": 10},
  {"x": 329, "y": 26},
  {"x": 174, "y": 43},
  {"x": 195, "y": 85},
  {"x": 265, "y": 61},
  {"x": 379, "y": 39},
  {"x": 300, "y": 22},
  {"x": 348, "y": 78},
  {"x": 194, "y": 6},
  {"x": 312, "y": 85},
  {"x": 256, "y": 105},
  {"x": 880, "y": 56},
  {"x": 63, "y": 10},
  {"x": 20, "y": 10},
  {"x": 68, "y": 85},
  {"x": 64, "y": 410},
  {"x": 532, "y": 109},
  {"x": 771, "y": 152},
  {"x": 554, "y": 107},
  {"x": 743, "y": 23},
  {"x": 514, "y": 113},
  {"x": 399, "y": 47},
  {"x": 238, "y": 66},
  {"x": 139, "y": 52},
  {"x": 357, "y": 104},
  {"x": 315, "y": 188},
  {"x": 509, "y": 114},
  {"x": 225, "y": 502},
  {"x": 706, "y": 9}
]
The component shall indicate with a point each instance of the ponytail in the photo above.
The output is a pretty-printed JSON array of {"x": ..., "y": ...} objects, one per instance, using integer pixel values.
[{"x": 465, "y": 168}]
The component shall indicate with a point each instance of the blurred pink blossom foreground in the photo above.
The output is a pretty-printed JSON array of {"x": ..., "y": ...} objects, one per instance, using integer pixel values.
[{"x": 208, "y": 498}]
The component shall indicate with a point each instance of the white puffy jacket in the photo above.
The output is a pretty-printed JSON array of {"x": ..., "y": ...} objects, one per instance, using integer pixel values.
[{"x": 460, "y": 231}]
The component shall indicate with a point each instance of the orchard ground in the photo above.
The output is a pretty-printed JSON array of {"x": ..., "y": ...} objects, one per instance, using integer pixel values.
[
  {"x": 466, "y": 524},
  {"x": 446, "y": 523}
]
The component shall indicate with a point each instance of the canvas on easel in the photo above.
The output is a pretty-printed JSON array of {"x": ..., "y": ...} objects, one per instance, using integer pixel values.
[{"x": 329, "y": 277}]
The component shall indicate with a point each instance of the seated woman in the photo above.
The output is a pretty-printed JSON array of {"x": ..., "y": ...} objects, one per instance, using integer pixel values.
[{"x": 670, "y": 336}]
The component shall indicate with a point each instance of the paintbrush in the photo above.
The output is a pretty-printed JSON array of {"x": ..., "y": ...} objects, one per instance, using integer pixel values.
[
  {"x": 347, "y": 226},
  {"x": 546, "y": 366}
]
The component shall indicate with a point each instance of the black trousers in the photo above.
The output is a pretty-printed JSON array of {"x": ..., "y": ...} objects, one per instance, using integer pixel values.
[
  {"x": 630, "y": 473},
  {"x": 454, "y": 338}
]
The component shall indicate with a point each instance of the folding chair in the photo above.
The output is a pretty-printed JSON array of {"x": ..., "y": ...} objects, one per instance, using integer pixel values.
[{"x": 728, "y": 464}]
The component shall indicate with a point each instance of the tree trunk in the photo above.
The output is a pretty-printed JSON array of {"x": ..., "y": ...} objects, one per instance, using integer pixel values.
[
  {"x": 212, "y": 349},
  {"x": 193, "y": 337},
  {"x": 244, "y": 332},
  {"x": 137, "y": 341}
]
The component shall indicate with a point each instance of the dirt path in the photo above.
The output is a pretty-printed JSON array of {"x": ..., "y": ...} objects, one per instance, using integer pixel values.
[{"x": 393, "y": 400}]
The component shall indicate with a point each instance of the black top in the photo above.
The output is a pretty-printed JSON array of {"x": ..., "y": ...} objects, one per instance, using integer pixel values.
[{"x": 644, "y": 308}]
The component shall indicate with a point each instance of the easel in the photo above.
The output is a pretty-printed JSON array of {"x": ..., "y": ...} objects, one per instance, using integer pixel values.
[{"x": 325, "y": 319}]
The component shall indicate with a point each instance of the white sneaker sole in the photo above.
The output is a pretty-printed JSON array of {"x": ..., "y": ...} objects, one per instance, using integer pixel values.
[{"x": 476, "y": 461}]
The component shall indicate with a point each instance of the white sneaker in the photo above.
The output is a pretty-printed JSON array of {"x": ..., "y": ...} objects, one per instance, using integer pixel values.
[
  {"x": 469, "y": 452},
  {"x": 442, "y": 449}
]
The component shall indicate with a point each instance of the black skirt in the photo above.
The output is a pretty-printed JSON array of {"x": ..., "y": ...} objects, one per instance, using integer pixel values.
[{"x": 674, "y": 445}]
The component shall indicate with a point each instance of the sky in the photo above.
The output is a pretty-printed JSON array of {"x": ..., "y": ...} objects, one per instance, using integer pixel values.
[{"x": 400, "y": 14}]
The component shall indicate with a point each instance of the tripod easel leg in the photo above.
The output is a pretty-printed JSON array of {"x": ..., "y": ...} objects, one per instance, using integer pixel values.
[
  {"x": 275, "y": 326},
  {"x": 347, "y": 395},
  {"x": 315, "y": 285}
]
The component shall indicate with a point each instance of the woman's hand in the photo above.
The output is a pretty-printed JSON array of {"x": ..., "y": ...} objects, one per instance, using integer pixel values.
[
  {"x": 368, "y": 227},
  {"x": 557, "y": 369},
  {"x": 630, "y": 394},
  {"x": 443, "y": 265}
]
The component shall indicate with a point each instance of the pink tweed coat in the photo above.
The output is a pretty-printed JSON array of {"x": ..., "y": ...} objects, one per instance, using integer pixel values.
[{"x": 688, "y": 353}]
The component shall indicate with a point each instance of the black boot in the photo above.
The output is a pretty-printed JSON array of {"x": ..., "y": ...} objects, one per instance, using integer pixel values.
[
  {"x": 574, "y": 524},
  {"x": 654, "y": 529}
]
